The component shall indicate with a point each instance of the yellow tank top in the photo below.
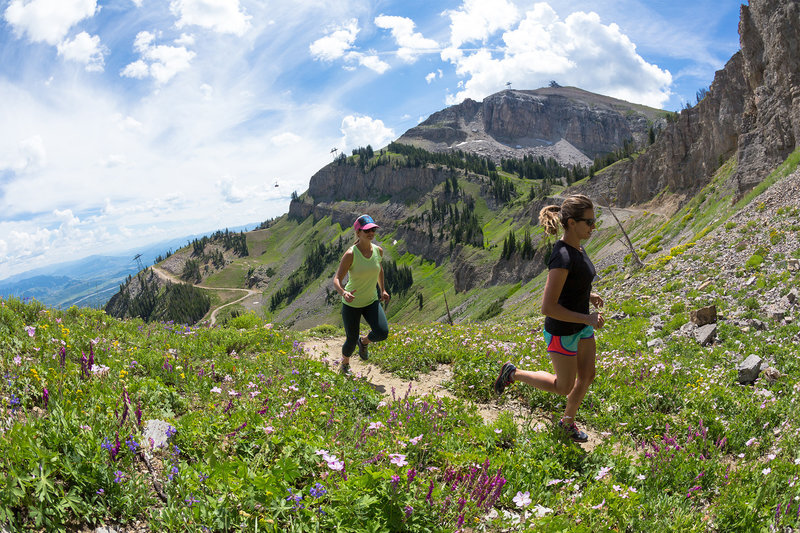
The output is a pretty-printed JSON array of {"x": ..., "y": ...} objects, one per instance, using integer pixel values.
[{"x": 363, "y": 277}]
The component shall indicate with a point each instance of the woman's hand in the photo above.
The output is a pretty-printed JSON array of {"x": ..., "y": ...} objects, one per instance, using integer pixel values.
[
  {"x": 596, "y": 320},
  {"x": 596, "y": 300},
  {"x": 348, "y": 296},
  {"x": 385, "y": 296}
]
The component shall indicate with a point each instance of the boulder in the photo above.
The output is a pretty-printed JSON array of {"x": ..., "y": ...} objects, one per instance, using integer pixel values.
[
  {"x": 704, "y": 315},
  {"x": 749, "y": 369},
  {"x": 155, "y": 433},
  {"x": 706, "y": 335}
]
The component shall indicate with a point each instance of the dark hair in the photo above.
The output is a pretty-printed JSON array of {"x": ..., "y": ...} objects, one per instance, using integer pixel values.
[{"x": 553, "y": 216}]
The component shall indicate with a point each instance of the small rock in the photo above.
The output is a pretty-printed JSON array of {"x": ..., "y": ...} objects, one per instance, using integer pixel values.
[
  {"x": 776, "y": 314},
  {"x": 750, "y": 281},
  {"x": 655, "y": 342},
  {"x": 105, "y": 529},
  {"x": 705, "y": 335},
  {"x": 749, "y": 369},
  {"x": 793, "y": 265},
  {"x": 771, "y": 374},
  {"x": 155, "y": 433},
  {"x": 704, "y": 315},
  {"x": 704, "y": 285},
  {"x": 792, "y": 296},
  {"x": 757, "y": 324}
]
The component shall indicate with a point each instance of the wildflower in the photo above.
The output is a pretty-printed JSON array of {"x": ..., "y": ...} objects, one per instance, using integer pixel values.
[
  {"x": 318, "y": 490},
  {"x": 749, "y": 442},
  {"x": 45, "y": 397},
  {"x": 498, "y": 431},
  {"x": 190, "y": 500},
  {"x": 335, "y": 464},
  {"x": 766, "y": 471},
  {"x": 415, "y": 440},
  {"x": 375, "y": 425},
  {"x": 118, "y": 476},
  {"x": 602, "y": 473},
  {"x": 100, "y": 491},
  {"x": 640, "y": 477},
  {"x": 522, "y": 499},
  {"x": 599, "y": 505},
  {"x": 409, "y": 511},
  {"x": 693, "y": 489},
  {"x": 398, "y": 459},
  {"x": 395, "y": 481},
  {"x": 17, "y": 360},
  {"x": 171, "y": 431},
  {"x": 268, "y": 430},
  {"x": 31, "y": 330},
  {"x": 132, "y": 445}
]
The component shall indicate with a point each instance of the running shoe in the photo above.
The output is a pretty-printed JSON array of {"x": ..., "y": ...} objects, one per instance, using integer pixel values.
[
  {"x": 362, "y": 349},
  {"x": 505, "y": 378},
  {"x": 573, "y": 432},
  {"x": 344, "y": 369}
]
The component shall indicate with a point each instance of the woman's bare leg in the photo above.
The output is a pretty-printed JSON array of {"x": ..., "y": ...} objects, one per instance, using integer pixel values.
[
  {"x": 562, "y": 382},
  {"x": 587, "y": 352}
]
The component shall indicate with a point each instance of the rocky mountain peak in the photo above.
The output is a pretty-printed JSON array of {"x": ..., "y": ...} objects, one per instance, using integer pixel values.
[{"x": 569, "y": 124}]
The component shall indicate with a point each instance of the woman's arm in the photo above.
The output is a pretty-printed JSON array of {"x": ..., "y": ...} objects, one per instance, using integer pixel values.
[
  {"x": 341, "y": 272},
  {"x": 384, "y": 295},
  {"x": 556, "y": 278}
]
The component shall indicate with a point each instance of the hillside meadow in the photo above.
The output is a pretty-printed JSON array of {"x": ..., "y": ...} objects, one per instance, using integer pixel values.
[{"x": 263, "y": 438}]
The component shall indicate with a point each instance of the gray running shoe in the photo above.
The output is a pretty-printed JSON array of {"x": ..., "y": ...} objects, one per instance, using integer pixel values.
[
  {"x": 362, "y": 349},
  {"x": 344, "y": 369},
  {"x": 573, "y": 432},
  {"x": 505, "y": 378}
]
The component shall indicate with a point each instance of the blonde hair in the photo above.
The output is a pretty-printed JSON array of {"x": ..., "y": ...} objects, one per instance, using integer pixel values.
[{"x": 553, "y": 216}]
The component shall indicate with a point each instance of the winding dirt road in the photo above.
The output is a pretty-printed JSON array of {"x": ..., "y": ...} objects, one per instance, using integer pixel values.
[{"x": 166, "y": 276}]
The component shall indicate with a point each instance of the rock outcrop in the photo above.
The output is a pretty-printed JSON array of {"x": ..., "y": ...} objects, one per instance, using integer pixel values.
[
  {"x": 569, "y": 124},
  {"x": 752, "y": 111}
]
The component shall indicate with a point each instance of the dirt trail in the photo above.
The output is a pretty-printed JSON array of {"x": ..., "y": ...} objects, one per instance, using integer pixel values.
[
  {"x": 166, "y": 276},
  {"x": 329, "y": 350}
]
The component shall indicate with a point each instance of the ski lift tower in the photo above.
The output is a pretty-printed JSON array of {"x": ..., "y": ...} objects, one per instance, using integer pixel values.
[{"x": 138, "y": 259}]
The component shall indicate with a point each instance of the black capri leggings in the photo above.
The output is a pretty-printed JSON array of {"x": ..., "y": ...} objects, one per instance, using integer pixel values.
[{"x": 375, "y": 317}]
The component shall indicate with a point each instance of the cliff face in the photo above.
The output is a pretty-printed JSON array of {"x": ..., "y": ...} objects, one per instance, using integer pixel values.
[
  {"x": 569, "y": 124},
  {"x": 752, "y": 110},
  {"x": 770, "y": 36},
  {"x": 339, "y": 182}
]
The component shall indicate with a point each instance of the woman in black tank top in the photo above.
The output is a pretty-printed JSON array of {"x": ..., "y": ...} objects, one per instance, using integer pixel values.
[{"x": 569, "y": 325}]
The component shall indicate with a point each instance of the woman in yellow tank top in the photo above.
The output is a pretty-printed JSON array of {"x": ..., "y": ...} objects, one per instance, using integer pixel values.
[{"x": 362, "y": 264}]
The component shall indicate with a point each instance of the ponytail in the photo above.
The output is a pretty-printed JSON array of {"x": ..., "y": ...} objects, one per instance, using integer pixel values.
[
  {"x": 550, "y": 218},
  {"x": 553, "y": 216}
]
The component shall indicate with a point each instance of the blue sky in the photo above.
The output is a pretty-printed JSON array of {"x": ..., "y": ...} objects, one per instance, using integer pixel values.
[{"x": 127, "y": 122}]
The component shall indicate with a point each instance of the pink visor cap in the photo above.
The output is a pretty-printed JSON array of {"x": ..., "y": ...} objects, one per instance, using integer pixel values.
[{"x": 364, "y": 222}]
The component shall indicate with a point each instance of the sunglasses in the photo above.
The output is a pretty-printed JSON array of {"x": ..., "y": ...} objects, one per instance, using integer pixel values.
[
  {"x": 589, "y": 221},
  {"x": 370, "y": 230}
]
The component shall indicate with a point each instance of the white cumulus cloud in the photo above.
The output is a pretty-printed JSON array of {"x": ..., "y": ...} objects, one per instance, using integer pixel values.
[
  {"x": 223, "y": 16},
  {"x": 579, "y": 50},
  {"x": 362, "y": 131},
  {"x": 372, "y": 62},
  {"x": 338, "y": 41},
  {"x": 411, "y": 43},
  {"x": 47, "y": 21},
  {"x": 161, "y": 62},
  {"x": 84, "y": 48},
  {"x": 477, "y": 20}
]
